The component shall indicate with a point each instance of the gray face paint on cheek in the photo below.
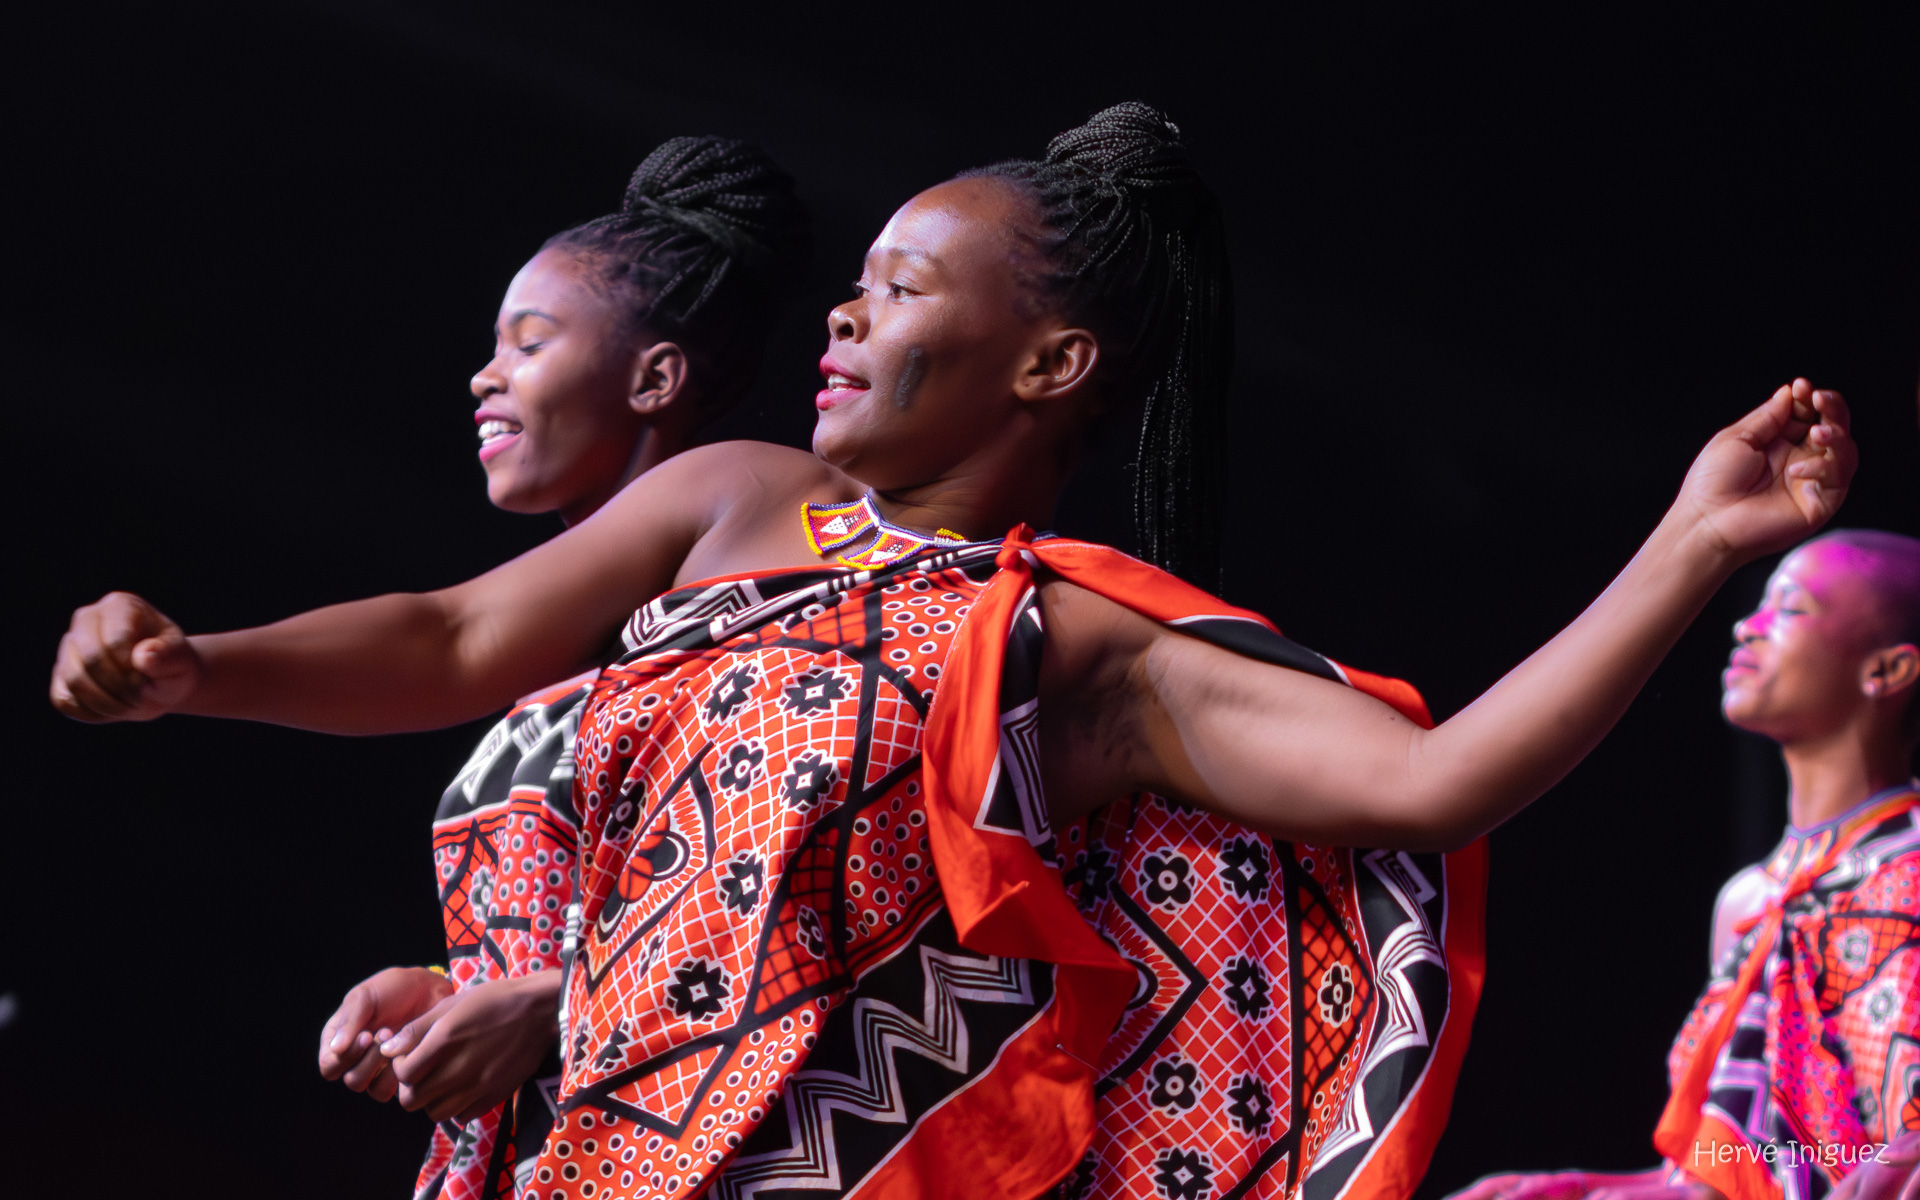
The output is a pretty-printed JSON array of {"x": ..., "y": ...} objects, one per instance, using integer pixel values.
[{"x": 909, "y": 381}]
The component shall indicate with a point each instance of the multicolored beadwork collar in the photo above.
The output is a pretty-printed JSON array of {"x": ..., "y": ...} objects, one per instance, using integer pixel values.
[{"x": 833, "y": 528}]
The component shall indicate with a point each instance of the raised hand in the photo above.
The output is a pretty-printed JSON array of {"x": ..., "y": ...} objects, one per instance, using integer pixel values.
[
  {"x": 474, "y": 1049},
  {"x": 122, "y": 660},
  {"x": 375, "y": 1007},
  {"x": 1775, "y": 476}
]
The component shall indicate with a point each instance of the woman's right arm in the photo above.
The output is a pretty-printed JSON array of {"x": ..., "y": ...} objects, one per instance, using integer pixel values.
[{"x": 405, "y": 662}]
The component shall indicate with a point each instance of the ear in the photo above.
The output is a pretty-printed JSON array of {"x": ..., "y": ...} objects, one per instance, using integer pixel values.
[
  {"x": 659, "y": 376},
  {"x": 1059, "y": 366},
  {"x": 1891, "y": 671}
]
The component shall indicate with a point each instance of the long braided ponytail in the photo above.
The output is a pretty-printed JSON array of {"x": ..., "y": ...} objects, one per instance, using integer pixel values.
[
  {"x": 709, "y": 243},
  {"x": 1134, "y": 246}
]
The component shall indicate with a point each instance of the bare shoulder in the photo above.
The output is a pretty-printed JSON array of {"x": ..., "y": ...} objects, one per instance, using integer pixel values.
[
  {"x": 781, "y": 472},
  {"x": 1091, "y": 641},
  {"x": 735, "y": 506},
  {"x": 1097, "y": 643},
  {"x": 1090, "y": 717},
  {"x": 699, "y": 487},
  {"x": 724, "y": 467},
  {"x": 745, "y": 455}
]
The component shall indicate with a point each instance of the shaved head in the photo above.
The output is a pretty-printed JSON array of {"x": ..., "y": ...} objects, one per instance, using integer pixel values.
[{"x": 1889, "y": 564}]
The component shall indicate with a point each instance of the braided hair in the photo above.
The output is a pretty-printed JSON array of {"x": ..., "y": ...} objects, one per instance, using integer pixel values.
[
  {"x": 1131, "y": 243},
  {"x": 709, "y": 243}
]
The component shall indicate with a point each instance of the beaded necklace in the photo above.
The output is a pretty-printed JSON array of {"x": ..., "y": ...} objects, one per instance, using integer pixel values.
[{"x": 833, "y": 528}]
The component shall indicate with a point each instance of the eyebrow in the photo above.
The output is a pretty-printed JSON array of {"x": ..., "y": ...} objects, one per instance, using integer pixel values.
[
  {"x": 500, "y": 327},
  {"x": 912, "y": 252}
]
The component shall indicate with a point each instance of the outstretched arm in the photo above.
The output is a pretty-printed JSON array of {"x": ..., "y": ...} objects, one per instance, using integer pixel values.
[
  {"x": 1307, "y": 759},
  {"x": 405, "y": 662}
]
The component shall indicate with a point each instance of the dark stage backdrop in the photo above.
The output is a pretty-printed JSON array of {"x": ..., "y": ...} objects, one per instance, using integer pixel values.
[{"x": 1500, "y": 274}]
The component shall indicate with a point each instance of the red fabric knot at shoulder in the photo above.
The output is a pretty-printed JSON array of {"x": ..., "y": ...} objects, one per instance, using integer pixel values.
[{"x": 1016, "y": 550}]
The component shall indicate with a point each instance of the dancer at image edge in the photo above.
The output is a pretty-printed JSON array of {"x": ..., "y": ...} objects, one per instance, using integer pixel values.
[
  {"x": 1797, "y": 1075},
  {"x": 1038, "y": 889}
]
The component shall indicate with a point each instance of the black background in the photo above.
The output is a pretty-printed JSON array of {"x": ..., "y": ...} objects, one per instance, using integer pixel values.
[{"x": 1501, "y": 272}]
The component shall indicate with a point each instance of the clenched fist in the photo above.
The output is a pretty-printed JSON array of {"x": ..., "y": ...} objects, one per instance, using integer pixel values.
[{"x": 122, "y": 660}]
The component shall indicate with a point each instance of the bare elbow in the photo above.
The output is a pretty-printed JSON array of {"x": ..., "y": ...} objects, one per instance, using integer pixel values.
[
  {"x": 1431, "y": 815},
  {"x": 1423, "y": 826}
]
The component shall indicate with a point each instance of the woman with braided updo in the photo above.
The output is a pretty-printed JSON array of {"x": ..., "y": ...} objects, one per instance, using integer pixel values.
[
  {"x": 613, "y": 346},
  {"x": 923, "y": 858},
  {"x": 622, "y": 337}
]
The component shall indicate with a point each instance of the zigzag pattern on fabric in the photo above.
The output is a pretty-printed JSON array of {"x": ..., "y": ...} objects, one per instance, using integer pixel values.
[{"x": 874, "y": 1093}]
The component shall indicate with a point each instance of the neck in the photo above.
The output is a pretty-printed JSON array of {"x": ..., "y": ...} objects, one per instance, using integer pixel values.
[
  {"x": 1830, "y": 775},
  {"x": 653, "y": 447},
  {"x": 1016, "y": 479}
]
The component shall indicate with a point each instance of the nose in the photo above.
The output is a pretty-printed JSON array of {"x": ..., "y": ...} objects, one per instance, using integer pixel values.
[
  {"x": 490, "y": 381},
  {"x": 1751, "y": 628},
  {"x": 847, "y": 322}
]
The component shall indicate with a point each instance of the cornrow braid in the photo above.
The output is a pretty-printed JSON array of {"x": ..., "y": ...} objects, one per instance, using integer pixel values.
[
  {"x": 1132, "y": 244},
  {"x": 709, "y": 243}
]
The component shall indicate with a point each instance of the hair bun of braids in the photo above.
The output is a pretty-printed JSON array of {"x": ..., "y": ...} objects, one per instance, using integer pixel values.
[
  {"x": 709, "y": 242},
  {"x": 724, "y": 190},
  {"x": 1135, "y": 148}
]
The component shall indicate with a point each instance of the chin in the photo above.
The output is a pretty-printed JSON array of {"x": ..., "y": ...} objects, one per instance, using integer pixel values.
[
  {"x": 1745, "y": 714},
  {"x": 837, "y": 447},
  {"x": 505, "y": 497}
]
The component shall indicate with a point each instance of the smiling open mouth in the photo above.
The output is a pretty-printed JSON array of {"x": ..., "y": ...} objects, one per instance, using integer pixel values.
[
  {"x": 494, "y": 432},
  {"x": 840, "y": 388}
]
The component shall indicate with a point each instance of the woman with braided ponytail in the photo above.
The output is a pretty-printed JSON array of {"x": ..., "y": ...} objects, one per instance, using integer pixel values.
[
  {"x": 614, "y": 345},
  {"x": 923, "y": 858}
]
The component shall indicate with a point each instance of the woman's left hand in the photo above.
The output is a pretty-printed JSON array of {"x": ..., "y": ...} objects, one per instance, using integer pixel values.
[{"x": 1775, "y": 476}]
